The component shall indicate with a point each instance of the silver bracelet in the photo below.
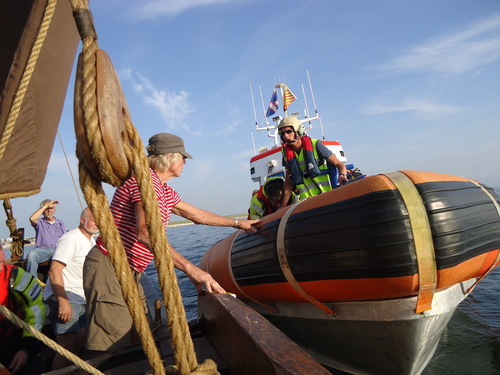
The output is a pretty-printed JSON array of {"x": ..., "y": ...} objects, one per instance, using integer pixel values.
[{"x": 235, "y": 223}]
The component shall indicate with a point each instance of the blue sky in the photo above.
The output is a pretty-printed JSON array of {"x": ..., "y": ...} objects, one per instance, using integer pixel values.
[{"x": 401, "y": 84}]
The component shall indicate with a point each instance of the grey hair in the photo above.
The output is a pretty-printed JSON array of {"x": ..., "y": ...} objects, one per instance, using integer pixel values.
[
  {"x": 44, "y": 202},
  {"x": 163, "y": 162},
  {"x": 84, "y": 213}
]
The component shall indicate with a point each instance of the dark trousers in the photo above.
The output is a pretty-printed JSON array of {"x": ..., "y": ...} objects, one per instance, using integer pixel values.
[{"x": 10, "y": 346}]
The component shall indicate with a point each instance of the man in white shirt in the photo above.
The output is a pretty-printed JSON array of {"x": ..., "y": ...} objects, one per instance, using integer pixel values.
[{"x": 63, "y": 295}]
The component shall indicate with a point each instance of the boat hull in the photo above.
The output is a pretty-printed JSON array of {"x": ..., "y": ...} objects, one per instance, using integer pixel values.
[
  {"x": 369, "y": 337},
  {"x": 401, "y": 241}
]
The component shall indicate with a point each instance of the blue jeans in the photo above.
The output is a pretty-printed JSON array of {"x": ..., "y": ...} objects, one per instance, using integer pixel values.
[
  {"x": 77, "y": 321},
  {"x": 36, "y": 256}
]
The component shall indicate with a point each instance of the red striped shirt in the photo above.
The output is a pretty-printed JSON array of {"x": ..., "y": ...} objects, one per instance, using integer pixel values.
[{"x": 122, "y": 208}]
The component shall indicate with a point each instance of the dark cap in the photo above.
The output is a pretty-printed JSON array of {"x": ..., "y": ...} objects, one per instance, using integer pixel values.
[{"x": 166, "y": 143}]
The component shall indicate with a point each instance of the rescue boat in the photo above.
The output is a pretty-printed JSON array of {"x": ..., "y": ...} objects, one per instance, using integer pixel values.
[{"x": 367, "y": 276}]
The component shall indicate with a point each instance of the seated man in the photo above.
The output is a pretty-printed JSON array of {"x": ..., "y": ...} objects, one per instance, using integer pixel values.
[
  {"x": 48, "y": 230},
  {"x": 64, "y": 296},
  {"x": 21, "y": 293},
  {"x": 267, "y": 199}
]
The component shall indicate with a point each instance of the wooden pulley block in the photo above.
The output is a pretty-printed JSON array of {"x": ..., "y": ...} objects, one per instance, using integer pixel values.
[{"x": 112, "y": 109}]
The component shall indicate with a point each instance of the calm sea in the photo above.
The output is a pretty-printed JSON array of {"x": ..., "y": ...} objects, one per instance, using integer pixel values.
[{"x": 470, "y": 344}]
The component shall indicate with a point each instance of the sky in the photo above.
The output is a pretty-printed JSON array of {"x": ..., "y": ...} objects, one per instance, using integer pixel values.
[{"x": 402, "y": 85}]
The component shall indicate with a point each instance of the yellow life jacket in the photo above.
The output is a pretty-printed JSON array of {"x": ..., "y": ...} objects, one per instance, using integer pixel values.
[{"x": 306, "y": 185}]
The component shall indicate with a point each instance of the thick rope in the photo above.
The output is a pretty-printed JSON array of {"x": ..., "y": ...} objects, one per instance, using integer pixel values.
[
  {"x": 47, "y": 341},
  {"x": 184, "y": 353},
  {"x": 98, "y": 204},
  {"x": 90, "y": 114},
  {"x": 15, "y": 109},
  {"x": 19, "y": 195},
  {"x": 97, "y": 201}
]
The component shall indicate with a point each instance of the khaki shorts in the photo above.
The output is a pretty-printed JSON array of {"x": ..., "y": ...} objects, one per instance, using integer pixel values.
[{"x": 108, "y": 319}]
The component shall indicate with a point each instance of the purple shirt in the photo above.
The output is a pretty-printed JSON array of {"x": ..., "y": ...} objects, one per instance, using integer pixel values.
[{"x": 47, "y": 233}]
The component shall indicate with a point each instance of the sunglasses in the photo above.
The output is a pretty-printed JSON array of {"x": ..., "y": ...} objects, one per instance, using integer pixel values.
[{"x": 287, "y": 131}]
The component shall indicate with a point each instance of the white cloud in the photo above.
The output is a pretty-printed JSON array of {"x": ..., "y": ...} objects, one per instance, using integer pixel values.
[
  {"x": 173, "y": 107},
  {"x": 414, "y": 106},
  {"x": 452, "y": 54},
  {"x": 159, "y": 8}
]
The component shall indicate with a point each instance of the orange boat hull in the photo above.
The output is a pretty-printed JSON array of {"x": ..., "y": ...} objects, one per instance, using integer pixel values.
[{"x": 359, "y": 243}]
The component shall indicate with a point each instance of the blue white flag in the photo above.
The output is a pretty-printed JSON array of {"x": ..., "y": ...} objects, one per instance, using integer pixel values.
[{"x": 273, "y": 106}]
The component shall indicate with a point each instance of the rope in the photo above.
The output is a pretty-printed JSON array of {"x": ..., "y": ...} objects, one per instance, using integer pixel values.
[
  {"x": 47, "y": 341},
  {"x": 69, "y": 169},
  {"x": 184, "y": 355},
  {"x": 16, "y": 248},
  {"x": 98, "y": 204},
  {"x": 97, "y": 201},
  {"x": 26, "y": 77}
]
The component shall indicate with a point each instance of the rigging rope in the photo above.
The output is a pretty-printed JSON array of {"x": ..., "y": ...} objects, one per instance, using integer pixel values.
[
  {"x": 69, "y": 169},
  {"x": 184, "y": 356},
  {"x": 96, "y": 198}
]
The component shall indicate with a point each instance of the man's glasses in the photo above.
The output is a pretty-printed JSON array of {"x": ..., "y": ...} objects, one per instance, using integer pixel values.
[{"x": 287, "y": 131}]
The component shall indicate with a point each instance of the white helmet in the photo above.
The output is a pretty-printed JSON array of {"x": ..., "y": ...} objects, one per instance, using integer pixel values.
[{"x": 294, "y": 123}]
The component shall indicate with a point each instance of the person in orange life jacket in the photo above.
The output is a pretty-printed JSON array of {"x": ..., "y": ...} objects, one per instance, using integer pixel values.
[
  {"x": 267, "y": 199},
  {"x": 21, "y": 293},
  {"x": 304, "y": 159}
]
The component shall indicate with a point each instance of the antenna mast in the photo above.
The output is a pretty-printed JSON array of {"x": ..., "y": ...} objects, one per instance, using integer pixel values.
[
  {"x": 253, "y": 105},
  {"x": 314, "y": 103}
]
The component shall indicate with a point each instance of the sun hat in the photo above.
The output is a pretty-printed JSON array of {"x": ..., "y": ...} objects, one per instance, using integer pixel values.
[{"x": 166, "y": 143}]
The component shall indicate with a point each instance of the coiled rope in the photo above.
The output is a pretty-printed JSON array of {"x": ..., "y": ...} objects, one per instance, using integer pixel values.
[
  {"x": 16, "y": 247},
  {"x": 184, "y": 356}
]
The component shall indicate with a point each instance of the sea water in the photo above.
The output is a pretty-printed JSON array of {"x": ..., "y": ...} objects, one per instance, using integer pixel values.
[{"x": 470, "y": 345}]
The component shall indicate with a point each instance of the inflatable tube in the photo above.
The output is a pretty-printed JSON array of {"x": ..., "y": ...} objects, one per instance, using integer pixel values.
[{"x": 366, "y": 241}]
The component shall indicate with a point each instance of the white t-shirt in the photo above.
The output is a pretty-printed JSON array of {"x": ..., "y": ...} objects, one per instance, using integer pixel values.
[{"x": 71, "y": 249}]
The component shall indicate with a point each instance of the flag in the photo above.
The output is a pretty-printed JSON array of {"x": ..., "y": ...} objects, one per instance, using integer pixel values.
[
  {"x": 273, "y": 106},
  {"x": 288, "y": 97}
]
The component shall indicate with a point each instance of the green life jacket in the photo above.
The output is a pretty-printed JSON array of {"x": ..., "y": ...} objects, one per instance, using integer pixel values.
[
  {"x": 308, "y": 160},
  {"x": 260, "y": 204},
  {"x": 24, "y": 298}
]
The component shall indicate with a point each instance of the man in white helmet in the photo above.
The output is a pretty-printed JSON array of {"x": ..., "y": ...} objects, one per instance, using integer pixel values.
[{"x": 305, "y": 160}]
